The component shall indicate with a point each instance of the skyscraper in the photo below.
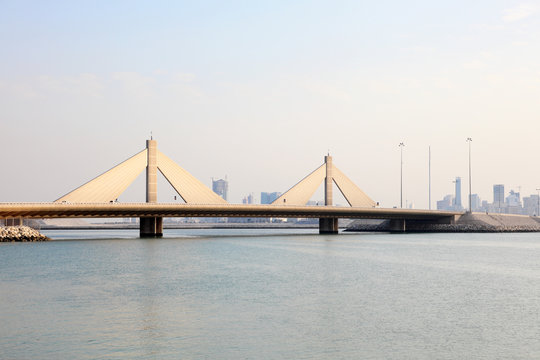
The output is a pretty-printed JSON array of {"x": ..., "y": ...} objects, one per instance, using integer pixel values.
[
  {"x": 445, "y": 204},
  {"x": 513, "y": 199},
  {"x": 457, "y": 198},
  {"x": 268, "y": 198},
  {"x": 250, "y": 199},
  {"x": 221, "y": 187},
  {"x": 498, "y": 195},
  {"x": 476, "y": 203}
]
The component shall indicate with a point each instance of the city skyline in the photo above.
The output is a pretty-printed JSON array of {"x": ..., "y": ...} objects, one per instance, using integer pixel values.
[
  {"x": 261, "y": 92},
  {"x": 514, "y": 203}
]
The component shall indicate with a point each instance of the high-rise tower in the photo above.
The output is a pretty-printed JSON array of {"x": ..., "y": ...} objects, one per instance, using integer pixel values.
[
  {"x": 221, "y": 187},
  {"x": 498, "y": 195},
  {"x": 457, "y": 197}
]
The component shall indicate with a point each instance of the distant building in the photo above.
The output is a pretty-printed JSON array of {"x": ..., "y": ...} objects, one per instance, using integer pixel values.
[
  {"x": 513, "y": 199},
  {"x": 268, "y": 198},
  {"x": 248, "y": 199},
  {"x": 498, "y": 196},
  {"x": 221, "y": 187},
  {"x": 452, "y": 203},
  {"x": 531, "y": 205},
  {"x": 513, "y": 203},
  {"x": 445, "y": 203},
  {"x": 457, "y": 197},
  {"x": 476, "y": 203}
]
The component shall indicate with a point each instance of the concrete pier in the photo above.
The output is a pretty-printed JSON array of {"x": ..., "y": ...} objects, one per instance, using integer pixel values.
[
  {"x": 13, "y": 222},
  {"x": 398, "y": 226},
  {"x": 151, "y": 227},
  {"x": 328, "y": 225}
]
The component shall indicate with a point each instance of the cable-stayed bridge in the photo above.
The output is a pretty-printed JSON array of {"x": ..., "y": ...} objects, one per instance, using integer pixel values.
[{"x": 97, "y": 198}]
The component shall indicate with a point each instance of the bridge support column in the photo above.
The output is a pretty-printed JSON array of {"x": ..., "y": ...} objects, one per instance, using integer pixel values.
[
  {"x": 328, "y": 193},
  {"x": 398, "y": 226},
  {"x": 151, "y": 227},
  {"x": 13, "y": 222},
  {"x": 328, "y": 226},
  {"x": 151, "y": 172}
]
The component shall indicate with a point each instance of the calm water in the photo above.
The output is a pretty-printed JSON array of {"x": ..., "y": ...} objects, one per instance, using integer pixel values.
[{"x": 225, "y": 294}]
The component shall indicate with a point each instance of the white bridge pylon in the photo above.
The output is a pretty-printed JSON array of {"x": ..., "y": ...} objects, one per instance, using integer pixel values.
[
  {"x": 300, "y": 193},
  {"x": 111, "y": 184},
  {"x": 108, "y": 186}
]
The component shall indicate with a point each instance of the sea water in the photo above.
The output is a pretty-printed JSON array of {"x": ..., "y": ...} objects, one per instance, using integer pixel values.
[{"x": 270, "y": 294}]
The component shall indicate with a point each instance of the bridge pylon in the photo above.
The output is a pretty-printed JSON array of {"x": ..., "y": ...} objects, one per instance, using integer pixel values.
[
  {"x": 107, "y": 187},
  {"x": 151, "y": 226},
  {"x": 328, "y": 225},
  {"x": 300, "y": 193}
]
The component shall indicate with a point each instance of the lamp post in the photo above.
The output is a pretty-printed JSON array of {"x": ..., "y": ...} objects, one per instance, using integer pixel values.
[
  {"x": 538, "y": 207},
  {"x": 429, "y": 177},
  {"x": 401, "y": 145},
  {"x": 469, "y": 140}
]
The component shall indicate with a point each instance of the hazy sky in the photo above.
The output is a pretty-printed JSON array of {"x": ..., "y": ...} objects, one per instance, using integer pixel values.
[{"x": 260, "y": 91}]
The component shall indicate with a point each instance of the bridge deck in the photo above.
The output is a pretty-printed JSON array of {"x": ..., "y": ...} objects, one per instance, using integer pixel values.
[{"x": 107, "y": 210}]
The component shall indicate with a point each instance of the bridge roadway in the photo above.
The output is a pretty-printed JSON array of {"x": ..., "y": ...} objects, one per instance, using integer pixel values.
[{"x": 160, "y": 210}]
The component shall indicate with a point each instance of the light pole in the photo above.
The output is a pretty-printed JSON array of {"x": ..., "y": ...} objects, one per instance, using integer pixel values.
[
  {"x": 401, "y": 145},
  {"x": 538, "y": 208},
  {"x": 429, "y": 176},
  {"x": 469, "y": 140}
]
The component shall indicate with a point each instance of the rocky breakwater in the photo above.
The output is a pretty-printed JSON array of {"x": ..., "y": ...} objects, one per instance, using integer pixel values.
[
  {"x": 20, "y": 233},
  {"x": 475, "y": 222}
]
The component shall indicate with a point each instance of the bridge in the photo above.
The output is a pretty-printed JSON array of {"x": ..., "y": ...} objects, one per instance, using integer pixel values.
[{"x": 97, "y": 199}]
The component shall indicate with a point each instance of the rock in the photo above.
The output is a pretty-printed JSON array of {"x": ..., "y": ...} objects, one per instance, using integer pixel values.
[
  {"x": 20, "y": 233},
  {"x": 475, "y": 222}
]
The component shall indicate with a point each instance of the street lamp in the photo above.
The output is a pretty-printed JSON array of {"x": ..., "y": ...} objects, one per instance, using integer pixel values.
[
  {"x": 401, "y": 145},
  {"x": 469, "y": 140},
  {"x": 538, "y": 207},
  {"x": 429, "y": 176}
]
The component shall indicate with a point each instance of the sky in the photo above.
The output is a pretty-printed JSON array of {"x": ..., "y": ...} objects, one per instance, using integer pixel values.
[{"x": 261, "y": 91}]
